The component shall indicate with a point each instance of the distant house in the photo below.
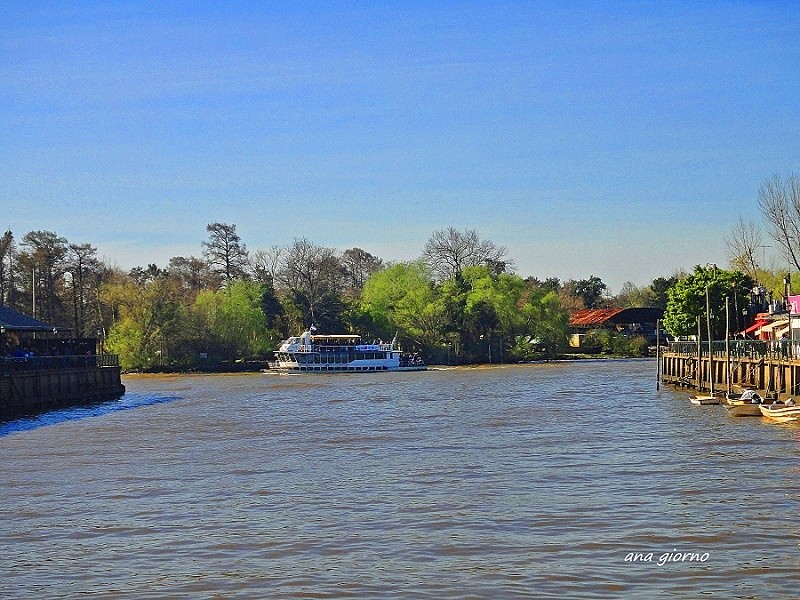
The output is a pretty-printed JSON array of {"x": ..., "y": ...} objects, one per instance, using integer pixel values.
[{"x": 626, "y": 321}]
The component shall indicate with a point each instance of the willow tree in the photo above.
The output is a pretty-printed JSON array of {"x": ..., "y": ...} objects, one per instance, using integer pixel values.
[{"x": 402, "y": 299}]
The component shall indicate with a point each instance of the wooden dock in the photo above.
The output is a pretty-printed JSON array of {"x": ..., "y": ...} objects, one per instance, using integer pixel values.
[
  {"x": 34, "y": 385},
  {"x": 772, "y": 368}
]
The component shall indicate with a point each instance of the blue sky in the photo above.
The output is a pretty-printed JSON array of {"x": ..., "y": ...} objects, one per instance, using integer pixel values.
[{"x": 616, "y": 139}]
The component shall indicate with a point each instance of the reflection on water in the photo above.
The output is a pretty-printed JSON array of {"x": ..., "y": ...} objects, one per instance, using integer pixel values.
[{"x": 544, "y": 481}]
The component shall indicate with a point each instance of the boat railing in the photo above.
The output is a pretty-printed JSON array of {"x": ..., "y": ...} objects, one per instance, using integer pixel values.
[{"x": 16, "y": 364}]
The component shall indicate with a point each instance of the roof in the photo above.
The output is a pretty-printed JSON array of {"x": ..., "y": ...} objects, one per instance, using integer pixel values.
[
  {"x": 16, "y": 321},
  {"x": 757, "y": 325},
  {"x": 592, "y": 316},
  {"x": 595, "y": 317},
  {"x": 774, "y": 325}
]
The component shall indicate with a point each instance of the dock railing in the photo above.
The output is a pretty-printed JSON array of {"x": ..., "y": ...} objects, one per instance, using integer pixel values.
[
  {"x": 752, "y": 349},
  {"x": 16, "y": 364}
]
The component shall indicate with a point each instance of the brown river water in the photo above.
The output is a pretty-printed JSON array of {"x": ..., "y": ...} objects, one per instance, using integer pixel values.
[{"x": 576, "y": 480}]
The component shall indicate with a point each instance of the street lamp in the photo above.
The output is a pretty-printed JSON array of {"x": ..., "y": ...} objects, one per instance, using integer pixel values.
[{"x": 490, "y": 349}]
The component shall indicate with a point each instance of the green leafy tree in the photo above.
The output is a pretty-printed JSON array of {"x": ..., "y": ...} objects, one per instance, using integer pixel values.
[
  {"x": 401, "y": 298},
  {"x": 659, "y": 290},
  {"x": 545, "y": 322},
  {"x": 235, "y": 320},
  {"x": 147, "y": 321},
  {"x": 588, "y": 291},
  {"x": 687, "y": 300}
]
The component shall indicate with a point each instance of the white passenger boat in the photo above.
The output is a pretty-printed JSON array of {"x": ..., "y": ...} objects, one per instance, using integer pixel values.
[
  {"x": 311, "y": 353},
  {"x": 781, "y": 412}
]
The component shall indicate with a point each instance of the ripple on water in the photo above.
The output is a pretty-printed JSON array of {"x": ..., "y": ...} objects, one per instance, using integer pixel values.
[{"x": 547, "y": 481}]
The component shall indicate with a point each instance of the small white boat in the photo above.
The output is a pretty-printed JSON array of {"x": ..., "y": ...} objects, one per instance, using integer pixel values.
[
  {"x": 746, "y": 404},
  {"x": 783, "y": 412},
  {"x": 703, "y": 400}
]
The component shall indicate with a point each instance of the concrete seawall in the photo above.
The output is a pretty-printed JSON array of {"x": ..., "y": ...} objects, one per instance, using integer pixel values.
[{"x": 48, "y": 383}]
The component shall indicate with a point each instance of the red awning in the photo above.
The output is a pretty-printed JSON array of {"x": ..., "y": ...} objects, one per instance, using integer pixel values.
[{"x": 757, "y": 325}]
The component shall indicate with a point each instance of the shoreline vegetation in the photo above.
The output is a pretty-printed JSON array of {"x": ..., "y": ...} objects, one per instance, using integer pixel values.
[{"x": 459, "y": 303}]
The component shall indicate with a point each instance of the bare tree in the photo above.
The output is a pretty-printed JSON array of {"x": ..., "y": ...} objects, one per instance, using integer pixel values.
[
  {"x": 743, "y": 242},
  {"x": 358, "y": 265},
  {"x": 449, "y": 251},
  {"x": 225, "y": 253},
  {"x": 779, "y": 201},
  {"x": 194, "y": 274},
  {"x": 265, "y": 264},
  {"x": 312, "y": 273},
  {"x": 81, "y": 263}
]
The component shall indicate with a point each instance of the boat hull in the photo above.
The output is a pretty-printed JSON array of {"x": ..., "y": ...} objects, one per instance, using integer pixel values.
[
  {"x": 780, "y": 412},
  {"x": 342, "y": 369},
  {"x": 704, "y": 400},
  {"x": 743, "y": 409}
]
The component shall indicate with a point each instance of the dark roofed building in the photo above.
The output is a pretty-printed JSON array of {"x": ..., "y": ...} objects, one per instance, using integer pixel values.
[
  {"x": 627, "y": 321},
  {"x": 18, "y": 330},
  {"x": 12, "y": 320}
]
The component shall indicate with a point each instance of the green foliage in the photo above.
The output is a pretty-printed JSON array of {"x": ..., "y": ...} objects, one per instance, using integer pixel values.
[
  {"x": 659, "y": 291},
  {"x": 613, "y": 343},
  {"x": 589, "y": 291},
  {"x": 476, "y": 315},
  {"x": 235, "y": 320},
  {"x": 401, "y": 297},
  {"x": 126, "y": 339},
  {"x": 687, "y": 300}
]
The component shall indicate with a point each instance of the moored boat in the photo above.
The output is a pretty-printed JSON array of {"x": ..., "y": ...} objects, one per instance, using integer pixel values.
[
  {"x": 703, "y": 400},
  {"x": 746, "y": 404},
  {"x": 312, "y": 353},
  {"x": 783, "y": 412}
]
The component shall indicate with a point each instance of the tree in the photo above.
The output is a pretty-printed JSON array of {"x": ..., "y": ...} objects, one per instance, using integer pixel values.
[
  {"x": 267, "y": 263},
  {"x": 743, "y": 243},
  {"x": 449, "y": 251},
  {"x": 194, "y": 274},
  {"x": 588, "y": 291},
  {"x": 632, "y": 296},
  {"x": 358, "y": 266},
  {"x": 402, "y": 298},
  {"x": 235, "y": 319},
  {"x": 659, "y": 290},
  {"x": 42, "y": 265},
  {"x": 779, "y": 201},
  {"x": 687, "y": 300},
  {"x": 310, "y": 277},
  {"x": 225, "y": 253},
  {"x": 7, "y": 250},
  {"x": 148, "y": 320},
  {"x": 81, "y": 264}
]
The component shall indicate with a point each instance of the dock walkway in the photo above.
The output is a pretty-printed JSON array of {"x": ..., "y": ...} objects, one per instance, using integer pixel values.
[{"x": 772, "y": 368}]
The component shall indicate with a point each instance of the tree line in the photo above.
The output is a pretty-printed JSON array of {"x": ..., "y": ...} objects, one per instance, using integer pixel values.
[{"x": 459, "y": 302}]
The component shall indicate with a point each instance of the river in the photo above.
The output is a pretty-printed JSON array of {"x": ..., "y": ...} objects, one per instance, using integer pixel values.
[{"x": 562, "y": 480}]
